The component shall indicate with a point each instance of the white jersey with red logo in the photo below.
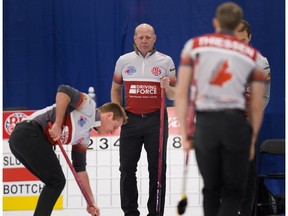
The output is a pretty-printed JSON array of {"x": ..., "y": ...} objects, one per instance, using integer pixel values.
[
  {"x": 141, "y": 78},
  {"x": 222, "y": 66},
  {"x": 77, "y": 123}
]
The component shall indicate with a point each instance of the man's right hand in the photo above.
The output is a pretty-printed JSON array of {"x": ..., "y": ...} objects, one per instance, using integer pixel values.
[
  {"x": 55, "y": 131},
  {"x": 93, "y": 210}
]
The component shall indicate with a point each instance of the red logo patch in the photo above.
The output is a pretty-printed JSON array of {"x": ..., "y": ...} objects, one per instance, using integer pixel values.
[
  {"x": 156, "y": 71},
  {"x": 12, "y": 120}
]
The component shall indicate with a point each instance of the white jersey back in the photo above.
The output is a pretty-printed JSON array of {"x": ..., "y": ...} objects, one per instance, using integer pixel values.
[{"x": 222, "y": 66}]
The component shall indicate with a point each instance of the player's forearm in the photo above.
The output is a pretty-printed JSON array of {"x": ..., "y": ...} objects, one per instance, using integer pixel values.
[
  {"x": 170, "y": 92},
  {"x": 86, "y": 184},
  {"x": 181, "y": 108},
  {"x": 116, "y": 94},
  {"x": 256, "y": 121},
  {"x": 62, "y": 102},
  {"x": 256, "y": 108},
  {"x": 182, "y": 97},
  {"x": 116, "y": 98},
  {"x": 181, "y": 111},
  {"x": 266, "y": 94},
  {"x": 256, "y": 118}
]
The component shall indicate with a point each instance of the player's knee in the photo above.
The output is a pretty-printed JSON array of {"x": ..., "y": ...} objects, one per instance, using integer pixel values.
[
  {"x": 58, "y": 182},
  {"x": 62, "y": 183},
  {"x": 128, "y": 169}
]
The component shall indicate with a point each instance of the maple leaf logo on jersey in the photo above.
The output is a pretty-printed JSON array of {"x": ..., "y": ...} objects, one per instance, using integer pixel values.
[{"x": 221, "y": 75}]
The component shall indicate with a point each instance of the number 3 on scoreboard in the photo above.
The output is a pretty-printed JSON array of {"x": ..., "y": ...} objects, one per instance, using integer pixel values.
[{"x": 104, "y": 143}]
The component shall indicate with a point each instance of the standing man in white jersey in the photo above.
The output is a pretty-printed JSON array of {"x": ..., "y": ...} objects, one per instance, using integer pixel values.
[
  {"x": 219, "y": 66},
  {"x": 143, "y": 73},
  {"x": 243, "y": 33}
]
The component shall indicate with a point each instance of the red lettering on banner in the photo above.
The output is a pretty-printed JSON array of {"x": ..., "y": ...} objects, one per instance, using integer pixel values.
[
  {"x": 10, "y": 119},
  {"x": 174, "y": 126}
]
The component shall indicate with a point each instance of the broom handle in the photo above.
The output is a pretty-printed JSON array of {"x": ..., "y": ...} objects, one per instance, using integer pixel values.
[
  {"x": 87, "y": 198},
  {"x": 160, "y": 157},
  {"x": 185, "y": 172}
]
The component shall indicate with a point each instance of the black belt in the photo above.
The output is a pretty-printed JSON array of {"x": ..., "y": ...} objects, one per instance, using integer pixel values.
[
  {"x": 144, "y": 115},
  {"x": 225, "y": 111},
  {"x": 31, "y": 122}
]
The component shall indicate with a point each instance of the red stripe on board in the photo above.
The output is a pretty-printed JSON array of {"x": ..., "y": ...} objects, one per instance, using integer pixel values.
[{"x": 18, "y": 174}]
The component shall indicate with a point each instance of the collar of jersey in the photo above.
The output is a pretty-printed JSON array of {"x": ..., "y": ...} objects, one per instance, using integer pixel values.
[{"x": 150, "y": 53}]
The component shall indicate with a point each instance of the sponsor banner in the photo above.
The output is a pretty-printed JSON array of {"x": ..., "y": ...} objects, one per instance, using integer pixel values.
[
  {"x": 11, "y": 118},
  {"x": 18, "y": 174},
  {"x": 173, "y": 125},
  {"x": 26, "y": 203},
  {"x": 9, "y": 160},
  {"x": 5, "y": 147},
  {"x": 22, "y": 188}
]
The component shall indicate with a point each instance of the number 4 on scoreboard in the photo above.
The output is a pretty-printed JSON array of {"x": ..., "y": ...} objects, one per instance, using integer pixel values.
[{"x": 117, "y": 142}]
